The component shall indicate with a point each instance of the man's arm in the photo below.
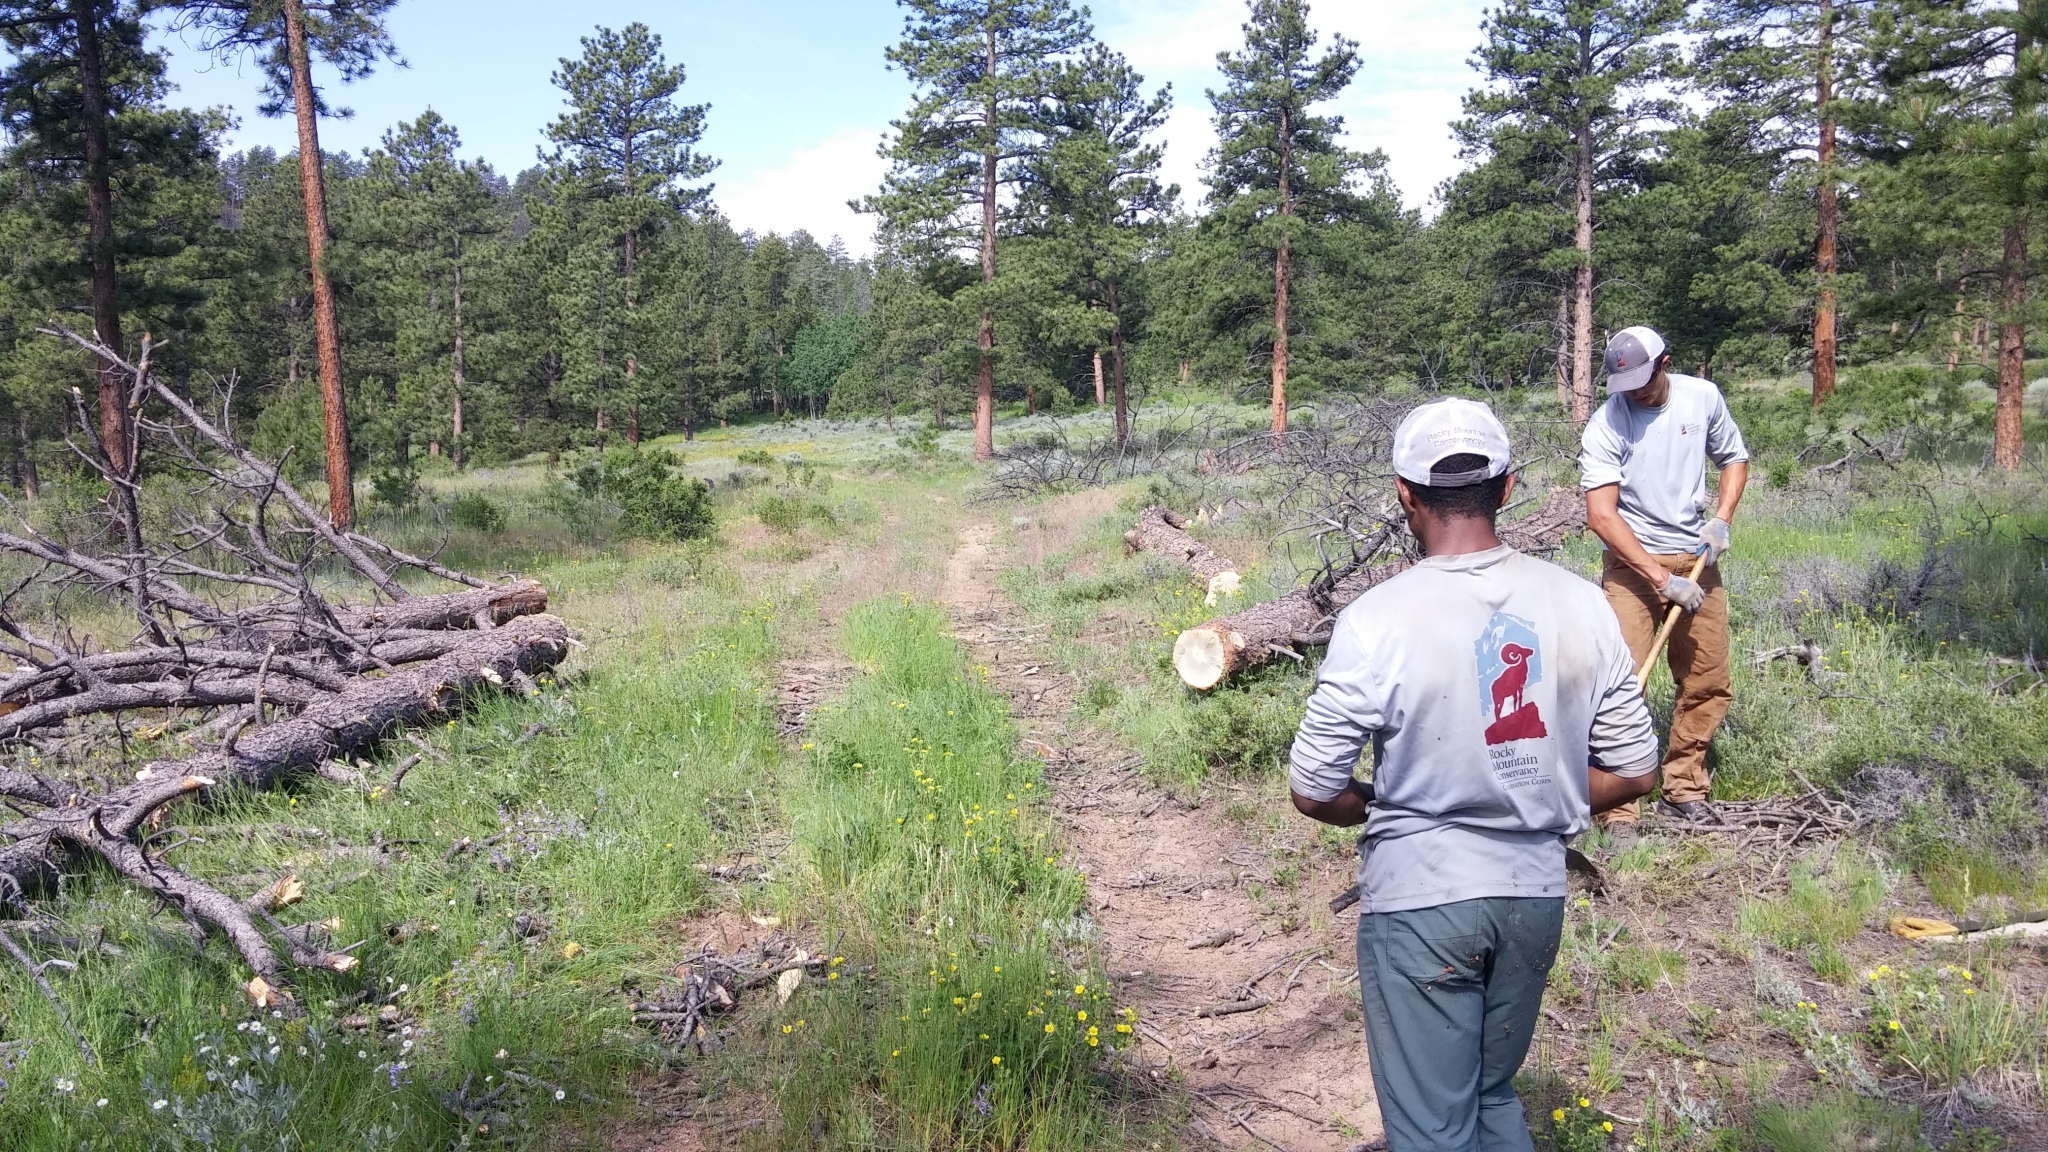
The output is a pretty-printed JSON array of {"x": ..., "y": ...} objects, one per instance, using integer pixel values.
[
  {"x": 1609, "y": 790},
  {"x": 1603, "y": 516},
  {"x": 1346, "y": 810},
  {"x": 1734, "y": 478}
]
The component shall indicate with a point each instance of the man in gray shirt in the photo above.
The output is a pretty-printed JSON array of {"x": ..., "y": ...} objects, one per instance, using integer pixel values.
[
  {"x": 1642, "y": 462},
  {"x": 1502, "y": 710}
]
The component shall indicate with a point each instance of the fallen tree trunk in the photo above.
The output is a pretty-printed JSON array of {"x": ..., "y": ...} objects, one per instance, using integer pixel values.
[
  {"x": 75, "y": 824},
  {"x": 1209, "y": 653},
  {"x": 1165, "y": 534}
]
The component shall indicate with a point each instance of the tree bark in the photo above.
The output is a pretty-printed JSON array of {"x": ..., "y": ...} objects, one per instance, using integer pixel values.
[
  {"x": 1099, "y": 397},
  {"x": 31, "y": 481},
  {"x": 2006, "y": 441},
  {"x": 461, "y": 368},
  {"x": 985, "y": 331},
  {"x": 1163, "y": 533},
  {"x": 1582, "y": 283},
  {"x": 1206, "y": 655},
  {"x": 344, "y": 722},
  {"x": 114, "y": 418},
  {"x": 341, "y": 495},
  {"x": 1824, "y": 246},
  {"x": 1280, "y": 286}
]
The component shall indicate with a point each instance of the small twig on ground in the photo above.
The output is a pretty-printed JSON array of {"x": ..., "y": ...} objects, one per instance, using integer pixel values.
[
  {"x": 35, "y": 972},
  {"x": 1233, "y": 1009}
]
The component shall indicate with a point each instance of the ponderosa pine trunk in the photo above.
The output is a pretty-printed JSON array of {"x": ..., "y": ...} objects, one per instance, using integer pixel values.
[
  {"x": 2012, "y": 348},
  {"x": 341, "y": 494},
  {"x": 1116, "y": 368},
  {"x": 114, "y": 419},
  {"x": 1564, "y": 351},
  {"x": 985, "y": 331},
  {"x": 1824, "y": 245},
  {"x": 1280, "y": 285},
  {"x": 1582, "y": 283},
  {"x": 460, "y": 368}
]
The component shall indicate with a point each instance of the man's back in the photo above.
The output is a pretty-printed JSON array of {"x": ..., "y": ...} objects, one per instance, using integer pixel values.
[{"x": 1486, "y": 682}]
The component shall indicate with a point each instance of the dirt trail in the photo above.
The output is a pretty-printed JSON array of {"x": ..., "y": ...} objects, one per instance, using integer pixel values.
[{"x": 1292, "y": 1074}]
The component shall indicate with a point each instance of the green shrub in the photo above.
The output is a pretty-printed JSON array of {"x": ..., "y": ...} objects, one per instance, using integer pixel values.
[
  {"x": 395, "y": 488},
  {"x": 924, "y": 441},
  {"x": 1245, "y": 731},
  {"x": 656, "y": 501},
  {"x": 786, "y": 512},
  {"x": 755, "y": 457},
  {"x": 477, "y": 513}
]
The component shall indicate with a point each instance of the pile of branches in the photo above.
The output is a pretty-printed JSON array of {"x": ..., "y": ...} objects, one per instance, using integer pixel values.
[
  {"x": 239, "y": 651},
  {"x": 1056, "y": 459},
  {"x": 709, "y": 984}
]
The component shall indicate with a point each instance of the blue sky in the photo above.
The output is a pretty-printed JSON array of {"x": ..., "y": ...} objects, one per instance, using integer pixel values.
[{"x": 800, "y": 95}]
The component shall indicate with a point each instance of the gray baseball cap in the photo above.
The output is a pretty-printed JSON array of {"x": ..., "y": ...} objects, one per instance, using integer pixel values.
[{"x": 1632, "y": 358}]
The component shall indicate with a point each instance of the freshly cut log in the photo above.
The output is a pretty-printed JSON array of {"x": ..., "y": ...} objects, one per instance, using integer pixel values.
[
  {"x": 1162, "y": 532},
  {"x": 1210, "y": 653}
]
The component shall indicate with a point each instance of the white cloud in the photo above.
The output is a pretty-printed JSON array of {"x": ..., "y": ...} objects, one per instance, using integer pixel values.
[
  {"x": 810, "y": 191},
  {"x": 1413, "y": 72}
]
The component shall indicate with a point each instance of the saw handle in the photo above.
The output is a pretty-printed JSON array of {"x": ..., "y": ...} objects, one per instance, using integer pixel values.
[{"x": 1670, "y": 622}]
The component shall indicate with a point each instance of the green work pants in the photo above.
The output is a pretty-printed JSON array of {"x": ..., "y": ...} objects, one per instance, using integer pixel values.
[{"x": 1451, "y": 996}]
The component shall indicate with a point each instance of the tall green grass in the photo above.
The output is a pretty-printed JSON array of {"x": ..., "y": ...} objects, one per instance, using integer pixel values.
[
  {"x": 969, "y": 1009},
  {"x": 651, "y": 760}
]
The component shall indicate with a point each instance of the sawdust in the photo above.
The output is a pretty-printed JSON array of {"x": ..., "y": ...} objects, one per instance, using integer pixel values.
[{"x": 1160, "y": 875}]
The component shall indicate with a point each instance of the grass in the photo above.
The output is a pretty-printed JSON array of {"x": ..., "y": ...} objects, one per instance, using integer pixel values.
[
  {"x": 1820, "y": 911},
  {"x": 495, "y": 965},
  {"x": 980, "y": 1017},
  {"x": 661, "y": 756}
]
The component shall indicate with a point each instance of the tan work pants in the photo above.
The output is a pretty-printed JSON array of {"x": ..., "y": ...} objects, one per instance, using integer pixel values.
[{"x": 1698, "y": 658}]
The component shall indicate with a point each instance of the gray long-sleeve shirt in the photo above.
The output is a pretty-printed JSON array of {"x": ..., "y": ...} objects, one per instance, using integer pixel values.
[{"x": 1485, "y": 684}]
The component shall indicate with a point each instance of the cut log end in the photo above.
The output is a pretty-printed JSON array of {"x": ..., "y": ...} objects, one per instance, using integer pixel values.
[{"x": 1202, "y": 657}]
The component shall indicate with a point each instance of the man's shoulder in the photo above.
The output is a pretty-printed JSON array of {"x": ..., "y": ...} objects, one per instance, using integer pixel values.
[{"x": 1695, "y": 388}]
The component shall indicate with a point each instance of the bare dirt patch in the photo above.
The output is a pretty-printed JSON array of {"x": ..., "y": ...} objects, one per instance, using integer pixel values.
[{"x": 1163, "y": 877}]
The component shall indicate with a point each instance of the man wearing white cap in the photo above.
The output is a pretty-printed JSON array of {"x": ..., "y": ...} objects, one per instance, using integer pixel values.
[
  {"x": 1642, "y": 462},
  {"x": 1502, "y": 710}
]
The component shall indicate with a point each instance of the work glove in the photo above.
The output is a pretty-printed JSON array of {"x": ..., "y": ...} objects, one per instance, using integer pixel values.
[
  {"x": 1685, "y": 593},
  {"x": 1714, "y": 539}
]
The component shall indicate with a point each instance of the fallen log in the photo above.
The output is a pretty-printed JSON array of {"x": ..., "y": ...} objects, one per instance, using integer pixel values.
[
  {"x": 75, "y": 824},
  {"x": 1209, "y": 653},
  {"x": 1163, "y": 533}
]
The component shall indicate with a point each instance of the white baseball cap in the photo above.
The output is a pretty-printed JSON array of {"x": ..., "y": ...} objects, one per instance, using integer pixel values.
[
  {"x": 1632, "y": 358},
  {"x": 1448, "y": 427}
]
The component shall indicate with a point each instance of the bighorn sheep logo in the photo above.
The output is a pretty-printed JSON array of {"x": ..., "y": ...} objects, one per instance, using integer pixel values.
[
  {"x": 1509, "y": 685},
  {"x": 1510, "y": 660}
]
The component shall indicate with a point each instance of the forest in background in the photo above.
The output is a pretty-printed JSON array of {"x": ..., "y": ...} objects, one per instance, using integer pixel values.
[{"x": 1779, "y": 187}]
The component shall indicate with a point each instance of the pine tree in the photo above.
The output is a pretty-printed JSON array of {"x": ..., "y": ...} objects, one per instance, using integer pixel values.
[
  {"x": 1577, "y": 69},
  {"x": 1785, "y": 67},
  {"x": 1093, "y": 199},
  {"x": 435, "y": 216},
  {"x": 982, "y": 69},
  {"x": 285, "y": 35},
  {"x": 107, "y": 194},
  {"x": 1278, "y": 170},
  {"x": 629, "y": 149}
]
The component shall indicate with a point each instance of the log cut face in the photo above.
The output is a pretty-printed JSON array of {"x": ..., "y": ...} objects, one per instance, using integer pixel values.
[{"x": 1208, "y": 654}]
